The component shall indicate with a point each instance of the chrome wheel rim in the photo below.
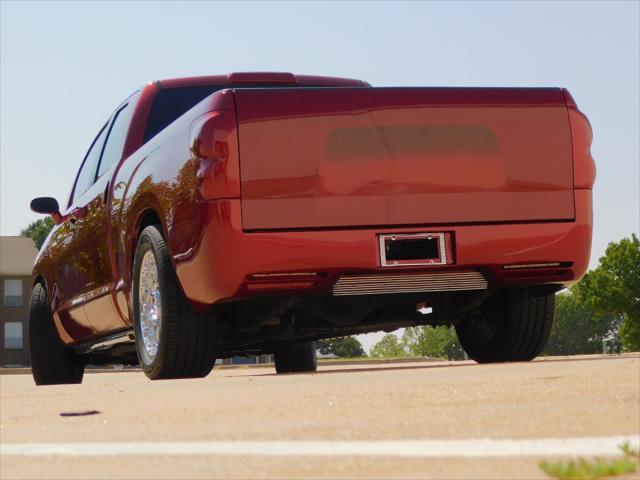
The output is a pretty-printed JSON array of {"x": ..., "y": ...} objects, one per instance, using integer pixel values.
[{"x": 149, "y": 304}]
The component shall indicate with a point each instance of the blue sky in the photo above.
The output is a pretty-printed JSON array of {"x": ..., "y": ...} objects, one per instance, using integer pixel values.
[{"x": 66, "y": 65}]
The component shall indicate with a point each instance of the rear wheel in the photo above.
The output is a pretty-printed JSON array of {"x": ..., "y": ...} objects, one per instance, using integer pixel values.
[
  {"x": 296, "y": 358},
  {"x": 51, "y": 362},
  {"x": 513, "y": 325},
  {"x": 172, "y": 340}
]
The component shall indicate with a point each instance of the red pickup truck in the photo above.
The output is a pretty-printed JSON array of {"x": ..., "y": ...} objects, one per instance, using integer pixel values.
[{"x": 255, "y": 213}]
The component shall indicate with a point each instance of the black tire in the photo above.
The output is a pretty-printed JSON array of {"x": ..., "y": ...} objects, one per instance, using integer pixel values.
[
  {"x": 512, "y": 326},
  {"x": 52, "y": 363},
  {"x": 185, "y": 347},
  {"x": 296, "y": 358}
]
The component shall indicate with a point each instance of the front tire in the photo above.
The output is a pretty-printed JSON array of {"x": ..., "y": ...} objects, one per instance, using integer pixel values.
[
  {"x": 296, "y": 358},
  {"x": 172, "y": 340},
  {"x": 512, "y": 326},
  {"x": 52, "y": 363}
]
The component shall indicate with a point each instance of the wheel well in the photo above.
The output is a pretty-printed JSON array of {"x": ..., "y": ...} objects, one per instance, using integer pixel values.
[
  {"x": 149, "y": 217},
  {"x": 38, "y": 279}
]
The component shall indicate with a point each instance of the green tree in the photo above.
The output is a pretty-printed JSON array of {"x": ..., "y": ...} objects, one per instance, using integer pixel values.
[
  {"x": 440, "y": 342},
  {"x": 388, "y": 346},
  {"x": 38, "y": 230},
  {"x": 342, "y": 347},
  {"x": 614, "y": 288},
  {"x": 579, "y": 330}
]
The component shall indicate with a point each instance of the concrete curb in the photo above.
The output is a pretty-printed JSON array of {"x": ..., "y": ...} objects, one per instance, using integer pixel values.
[
  {"x": 326, "y": 363},
  {"x": 321, "y": 362}
]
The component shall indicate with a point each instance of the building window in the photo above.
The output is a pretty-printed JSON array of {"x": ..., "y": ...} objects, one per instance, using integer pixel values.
[
  {"x": 12, "y": 292},
  {"x": 13, "y": 335}
]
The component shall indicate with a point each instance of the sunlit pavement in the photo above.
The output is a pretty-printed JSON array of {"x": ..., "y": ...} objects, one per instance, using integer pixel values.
[{"x": 331, "y": 424}]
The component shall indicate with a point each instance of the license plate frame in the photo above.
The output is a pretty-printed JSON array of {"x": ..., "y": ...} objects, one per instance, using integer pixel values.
[{"x": 387, "y": 238}]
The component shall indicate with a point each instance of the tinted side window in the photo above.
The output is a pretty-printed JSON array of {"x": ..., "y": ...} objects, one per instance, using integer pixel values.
[
  {"x": 115, "y": 140},
  {"x": 171, "y": 103},
  {"x": 87, "y": 173}
]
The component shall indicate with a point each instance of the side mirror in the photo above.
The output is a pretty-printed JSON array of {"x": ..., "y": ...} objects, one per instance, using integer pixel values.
[{"x": 47, "y": 205}]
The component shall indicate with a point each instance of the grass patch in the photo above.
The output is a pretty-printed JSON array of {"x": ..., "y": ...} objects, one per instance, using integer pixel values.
[
  {"x": 583, "y": 469},
  {"x": 366, "y": 359},
  {"x": 345, "y": 359}
]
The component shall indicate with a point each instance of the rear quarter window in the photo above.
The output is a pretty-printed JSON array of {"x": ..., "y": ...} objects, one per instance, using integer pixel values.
[{"x": 171, "y": 103}]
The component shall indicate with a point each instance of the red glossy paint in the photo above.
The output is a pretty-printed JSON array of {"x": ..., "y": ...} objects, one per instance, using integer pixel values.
[
  {"x": 394, "y": 156},
  {"x": 214, "y": 140},
  {"x": 227, "y": 255},
  {"x": 302, "y": 181}
]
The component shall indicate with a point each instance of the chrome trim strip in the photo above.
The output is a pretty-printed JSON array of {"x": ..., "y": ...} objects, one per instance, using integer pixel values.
[
  {"x": 90, "y": 295},
  {"x": 532, "y": 265},
  {"x": 443, "y": 249},
  {"x": 279, "y": 275},
  {"x": 409, "y": 282},
  {"x": 383, "y": 254},
  {"x": 107, "y": 342}
]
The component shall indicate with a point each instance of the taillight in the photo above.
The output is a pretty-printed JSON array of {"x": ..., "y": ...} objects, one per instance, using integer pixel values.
[
  {"x": 214, "y": 146},
  {"x": 584, "y": 167}
]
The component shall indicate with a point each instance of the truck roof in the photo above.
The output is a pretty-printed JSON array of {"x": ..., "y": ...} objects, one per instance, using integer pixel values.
[
  {"x": 140, "y": 132},
  {"x": 260, "y": 78}
]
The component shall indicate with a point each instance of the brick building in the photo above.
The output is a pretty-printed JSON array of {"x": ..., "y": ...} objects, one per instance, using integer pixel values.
[{"x": 17, "y": 255}]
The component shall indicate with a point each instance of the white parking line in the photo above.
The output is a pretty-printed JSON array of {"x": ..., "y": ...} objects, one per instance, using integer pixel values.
[{"x": 327, "y": 448}]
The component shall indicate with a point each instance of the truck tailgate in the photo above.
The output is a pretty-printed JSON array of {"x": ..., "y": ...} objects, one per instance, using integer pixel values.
[{"x": 339, "y": 157}]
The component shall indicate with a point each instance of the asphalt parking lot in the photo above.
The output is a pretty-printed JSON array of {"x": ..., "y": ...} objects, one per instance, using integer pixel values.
[{"x": 404, "y": 420}]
